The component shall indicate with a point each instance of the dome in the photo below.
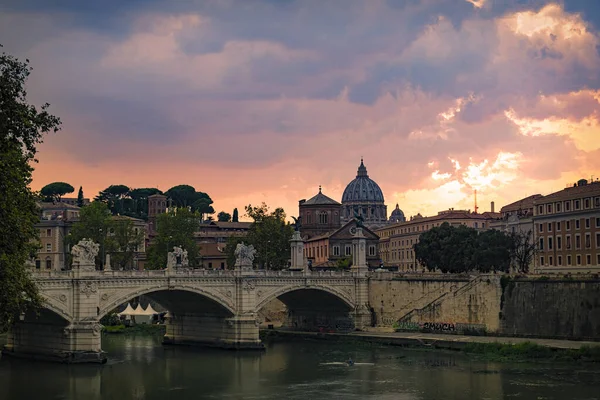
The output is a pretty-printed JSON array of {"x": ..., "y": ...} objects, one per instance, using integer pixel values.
[
  {"x": 397, "y": 215},
  {"x": 362, "y": 188}
]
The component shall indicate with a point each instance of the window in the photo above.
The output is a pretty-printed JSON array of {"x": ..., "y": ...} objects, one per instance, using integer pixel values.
[
  {"x": 49, "y": 232},
  {"x": 567, "y": 225},
  {"x": 323, "y": 218},
  {"x": 372, "y": 251},
  {"x": 222, "y": 265},
  {"x": 587, "y": 223},
  {"x": 549, "y": 227},
  {"x": 336, "y": 250},
  {"x": 559, "y": 260},
  {"x": 48, "y": 263},
  {"x": 541, "y": 228},
  {"x": 597, "y": 202},
  {"x": 541, "y": 243},
  {"x": 48, "y": 247},
  {"x": 598, "y": 240},
  {"x": 37, "y": 264},
  {"x": 557, "y": 207},
  {"x": 577, "y": 204},
  {"x": 549, "y": 208},
  {"x": 597, "y": 222},
  {"x": 550, "y": 261},
  {"x": 568, "y": 260},
  {"x": 348, "y": 250},
  {"x": 559, "y": 243},
  {"x": 540, "y": 209},
  {"x": 587, "y": 203},
  {"x": 542, "y": 260},
  {"x": 598, "y": 258},
  {"x": 577, "y": 241},
  {"x": 577, "y": 224},
  {"x": 558, "y": 227},
  {"x": 567, "y": 206},
  {"x": 568, "y": 239},
  {"x": 578, "y": 259},
  {"x": 550, "y": 244},
  {"x": 588, "y": 241},
  {"x": 588, "y": 259}
]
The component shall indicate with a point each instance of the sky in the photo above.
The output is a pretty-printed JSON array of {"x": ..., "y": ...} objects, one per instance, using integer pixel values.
[{"x": 264, "y": 100}]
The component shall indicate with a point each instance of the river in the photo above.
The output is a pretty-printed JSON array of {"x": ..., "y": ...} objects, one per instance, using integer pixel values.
[{"x": 139, "y": 367}]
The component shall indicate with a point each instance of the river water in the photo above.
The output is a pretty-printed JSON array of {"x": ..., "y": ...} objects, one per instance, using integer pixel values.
[{"x": 139, "y": 367}]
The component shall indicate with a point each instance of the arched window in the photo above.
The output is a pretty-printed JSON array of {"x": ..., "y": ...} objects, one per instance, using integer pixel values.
[{"x": 48, "y": 263}]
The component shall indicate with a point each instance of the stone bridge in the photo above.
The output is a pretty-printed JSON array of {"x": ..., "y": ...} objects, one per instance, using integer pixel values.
[{"x": 209, "y": 307}]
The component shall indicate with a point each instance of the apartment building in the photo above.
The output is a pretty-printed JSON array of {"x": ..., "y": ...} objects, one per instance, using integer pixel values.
[{"x": 567, "y": 229}]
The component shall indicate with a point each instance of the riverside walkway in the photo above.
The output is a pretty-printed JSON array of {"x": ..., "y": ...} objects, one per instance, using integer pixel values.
[{"x": 443, "y": 341}]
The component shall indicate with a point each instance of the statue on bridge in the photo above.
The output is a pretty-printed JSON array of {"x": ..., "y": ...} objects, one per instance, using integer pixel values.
[
  {"x": 244, "y": 255},
  {"x": 297, "y": 223},
  {"x": 84, "y": 253},
  {"x": 177, "y": 257}
]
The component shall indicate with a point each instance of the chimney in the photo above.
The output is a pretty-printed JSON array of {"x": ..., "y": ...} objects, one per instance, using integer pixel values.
[{"x": 492, "y": 207}]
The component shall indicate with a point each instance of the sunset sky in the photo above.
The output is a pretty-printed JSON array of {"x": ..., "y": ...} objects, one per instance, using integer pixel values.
[{"x": 265, "y": 100}]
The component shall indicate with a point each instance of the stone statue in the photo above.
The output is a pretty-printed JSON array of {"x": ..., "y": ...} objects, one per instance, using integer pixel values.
[
  {"x": 85, "y": 252},
  {"x": 297, "y": 223},
  {"x": 359, "y": 220},
  {"x": 244, "y": 255},
  {"x": 177, "y": 257}
]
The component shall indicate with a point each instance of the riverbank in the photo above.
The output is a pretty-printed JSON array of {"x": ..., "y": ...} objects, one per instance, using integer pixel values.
[
  {"x": 487, "y": 347},
  {"x": 142, "y": 329}
]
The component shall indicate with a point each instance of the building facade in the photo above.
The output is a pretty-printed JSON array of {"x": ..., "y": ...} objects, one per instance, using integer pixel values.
[
  {"x": 363, "y": 197},
  {"x": 396, "y": 243},
  {"x": 55, "y": 223},
  {"x": 320, "y": 214},
  {"x": 212, "y": 239},
  {"x": 567, "y": 229},
  {"x": 157, "y": 204},
  {"x": 324, "y": 251},
  {"x": 517, "y": 217}
]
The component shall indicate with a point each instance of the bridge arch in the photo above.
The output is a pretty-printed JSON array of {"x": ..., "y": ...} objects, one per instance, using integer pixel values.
[
  {"x": 343, "y": 297},
  {"x": 57, "y": 308},
  {"x": 165, "y": 292}
]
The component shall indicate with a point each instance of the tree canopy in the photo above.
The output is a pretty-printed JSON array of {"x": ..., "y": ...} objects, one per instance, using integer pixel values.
[
  {"x": 122, "y": 200},
  {"x": 235, "y": 217},
  {"x": 269, "y": 234},
  {"x": 22, "y": 127},
  {"x": 462, "y": 249},
  {"x": 223, "y": 217},
  {"x": 175, "y": 228},
  {"x": 80, "y": 197},
  {"x": 55, "y": 190},
  {"x": 116, "y": 236},
  {"x": 187, "y": 196}
]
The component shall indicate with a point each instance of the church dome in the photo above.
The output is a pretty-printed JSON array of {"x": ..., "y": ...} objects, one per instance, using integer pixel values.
[
  {"x": 397, "y": 215},
  {"x": 362, "y": 188}
]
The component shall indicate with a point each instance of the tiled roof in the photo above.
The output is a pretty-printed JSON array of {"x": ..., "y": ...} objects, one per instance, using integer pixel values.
[
  {"x": 319, "y": 199},
  {"x": 57, "y": 206},
  {"x": 522, "y": 204},
  {"x": 591, "y": 189}
]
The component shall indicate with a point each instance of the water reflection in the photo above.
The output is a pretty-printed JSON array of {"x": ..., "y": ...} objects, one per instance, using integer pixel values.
[{"x": 141, "y": 368}]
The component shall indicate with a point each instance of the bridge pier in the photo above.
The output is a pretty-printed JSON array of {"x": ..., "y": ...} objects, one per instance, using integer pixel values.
[{"x": 237, "y": 332}]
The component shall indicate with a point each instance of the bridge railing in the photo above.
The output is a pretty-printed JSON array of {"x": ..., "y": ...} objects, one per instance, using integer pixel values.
[{"x": 46, "y": 274}]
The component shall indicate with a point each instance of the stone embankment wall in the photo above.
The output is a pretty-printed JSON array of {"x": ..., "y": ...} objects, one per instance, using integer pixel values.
[
  {"x": 437, "y": 302},
  {"x": 541, "y": 307}
]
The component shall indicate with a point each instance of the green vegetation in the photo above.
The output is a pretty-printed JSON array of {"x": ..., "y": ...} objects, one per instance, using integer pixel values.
[
  {"x": 22, "y": 126},
  {"x": 235, "y": 217},
  {"x": 269, "y": 234},
  {"x": 186, "y": 196},
  {"x": 175, "y": 228},
  {"x": 141, "y": 329},
  {"x": 462, "y": 249},
  {"x": 54, "y": 191},
  {"x": 80, "y": 197},
  {"x": 223, "y": 217},
  {"x": 116, "y": 235},
  {"x": 528, "y": 351}
]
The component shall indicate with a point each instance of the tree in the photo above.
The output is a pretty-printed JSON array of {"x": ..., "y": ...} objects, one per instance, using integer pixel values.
[
  {"x": 270, "y": 235},
  {"x": 523, "y": 250},
  {"x": 139, "y": 198},
  {"x": 122, "y": 242},
  {"x": 203, "y": 206},
  {"x": 114, "y": 196},
  {"x": 223, "y": 217},
  {"x": 55, "y": 190},
  {"x": 343, "y": 263},
  {"x": 447, "y": 248},
  {"x": 187, "y": 196},
  {"x": 80, "y": 197},
  {"x": 93, "y": 224},
  {"x": 175, "y": 228},
  {"x": 493, "y": 251},
  {"x": 235, "y": 216},
  {"x": 22, "y": 126}
]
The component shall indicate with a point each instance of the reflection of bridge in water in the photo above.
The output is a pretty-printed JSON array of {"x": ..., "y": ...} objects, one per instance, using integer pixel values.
[{"x": 210, "y": 307}]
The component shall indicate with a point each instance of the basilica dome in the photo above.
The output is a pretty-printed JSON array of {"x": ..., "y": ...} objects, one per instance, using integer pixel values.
[
  {"x": 397, "y": 215},
  {"x": 362, "y": 188},
  {"x": 364, "y": 197}
]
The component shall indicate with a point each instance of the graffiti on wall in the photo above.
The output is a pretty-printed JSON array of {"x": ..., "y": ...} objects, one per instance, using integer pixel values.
[{"x": 441, "y": 327}]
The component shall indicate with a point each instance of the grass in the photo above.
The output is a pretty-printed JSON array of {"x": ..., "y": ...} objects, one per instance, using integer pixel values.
[
  {"x": 135, "y": 330},
  {"x": 529, "y": 351}
]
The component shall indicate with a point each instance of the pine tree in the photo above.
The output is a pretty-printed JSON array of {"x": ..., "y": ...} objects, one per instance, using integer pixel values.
[
  {"x": 235, "y": 215},
  {"x": 80, "y": 197}
]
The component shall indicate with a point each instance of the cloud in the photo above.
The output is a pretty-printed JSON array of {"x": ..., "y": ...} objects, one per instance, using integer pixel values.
[{"x": 241, "y": 99}]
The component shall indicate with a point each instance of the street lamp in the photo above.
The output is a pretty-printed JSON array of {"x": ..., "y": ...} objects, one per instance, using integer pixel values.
[{"x": 101, "y": 249}]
